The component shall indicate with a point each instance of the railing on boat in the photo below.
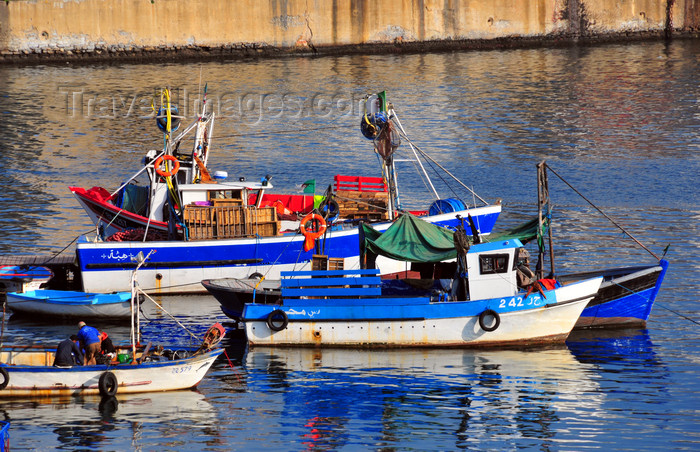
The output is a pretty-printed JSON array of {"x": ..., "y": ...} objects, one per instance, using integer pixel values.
[{"x": 337, "y": 288}]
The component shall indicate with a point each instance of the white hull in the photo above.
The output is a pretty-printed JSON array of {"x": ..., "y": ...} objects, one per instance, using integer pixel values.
[
  {"x": 46, "y": 380},
  {"x": 542, "y": 325},
  {"x": 546, "y": 324}
]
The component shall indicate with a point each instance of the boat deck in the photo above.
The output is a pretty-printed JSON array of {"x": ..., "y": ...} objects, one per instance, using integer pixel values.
[{"x": 36, "y": 259}]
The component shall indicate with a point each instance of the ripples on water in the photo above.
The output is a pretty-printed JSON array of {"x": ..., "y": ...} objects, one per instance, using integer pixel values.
[{"x": 619, "y": 122}]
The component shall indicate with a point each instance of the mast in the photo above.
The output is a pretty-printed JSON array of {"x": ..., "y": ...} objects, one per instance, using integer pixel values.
[{"x": 544, "y": 219}]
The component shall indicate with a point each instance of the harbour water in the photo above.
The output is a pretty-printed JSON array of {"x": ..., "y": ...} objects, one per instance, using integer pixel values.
[{"x": 621, "y": 123}]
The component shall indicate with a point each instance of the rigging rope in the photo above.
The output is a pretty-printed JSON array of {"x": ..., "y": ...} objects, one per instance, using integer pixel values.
[
  {"x": 443, "y": 168},
  {"x": 602, "y": 213},
  {"x": 64, "y": 248},
  {"x": 140, "y": 291}
]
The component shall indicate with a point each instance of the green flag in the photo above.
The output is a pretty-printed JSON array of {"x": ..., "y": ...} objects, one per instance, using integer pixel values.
[
  {"x": 382, "y": 100},
  {"x": 309, "y": 186}
]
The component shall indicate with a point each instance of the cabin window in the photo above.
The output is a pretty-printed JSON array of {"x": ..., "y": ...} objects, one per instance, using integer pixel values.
[
  {"x": 226, "y": 194},
  {"x": 493, "y": 263}
]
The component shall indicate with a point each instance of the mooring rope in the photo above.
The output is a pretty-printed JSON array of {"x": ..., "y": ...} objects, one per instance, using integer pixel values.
[
  {"x": 64, "y": 248},
  {"x": 678, "y": 314},
  {"x": 140, "y": 291}
]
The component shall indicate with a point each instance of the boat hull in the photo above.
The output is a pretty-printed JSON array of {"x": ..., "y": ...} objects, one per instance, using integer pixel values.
[
  {"x": 179, "y": 267},
  {"x": 397, "y": 322},
  {"x": 625, "y": 298},
  {"x": 112, "y": 218},
  {"x": 234, "y": 294},
  {"x": 43, "y": 379},
  {"x": 66, "y": 304}
]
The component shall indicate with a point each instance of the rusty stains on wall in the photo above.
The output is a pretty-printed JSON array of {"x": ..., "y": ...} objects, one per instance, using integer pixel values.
[{"x": 123, "y": 28}]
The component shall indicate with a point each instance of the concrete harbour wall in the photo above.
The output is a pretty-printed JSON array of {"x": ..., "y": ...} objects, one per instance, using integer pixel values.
[{"x": 100, "y": 29}]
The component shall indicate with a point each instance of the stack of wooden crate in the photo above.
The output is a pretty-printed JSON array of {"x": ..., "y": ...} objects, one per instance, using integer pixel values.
[
  {"x": 362, "y": 197},
  {"x": 323, "y": 262},
  {"x": 372, "y": 205},
  {"x": 222, "y": 221}
]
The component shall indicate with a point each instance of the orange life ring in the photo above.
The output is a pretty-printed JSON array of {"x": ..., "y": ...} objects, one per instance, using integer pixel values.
[
  {"x": 172, "y": 172},
  {"x": 312, "y": 236}
]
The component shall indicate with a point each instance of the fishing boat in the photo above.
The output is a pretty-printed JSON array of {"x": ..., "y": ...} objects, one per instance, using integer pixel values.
[
  {"x": 203, "y": 227},
  {"x": 625, "y": 297},
  {"x": 473, "y": 302},
  {"x": 66, "y": 304},
  {"x": 28, "y": 371}
]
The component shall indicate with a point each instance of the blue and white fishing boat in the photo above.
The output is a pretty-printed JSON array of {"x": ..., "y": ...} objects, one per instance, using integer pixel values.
[
  {"x": 29, "y": 371},
  {"x": 66, "y": 304},
  {"x": 474, "y": 302},
  {"x": 204, "y": 228}
]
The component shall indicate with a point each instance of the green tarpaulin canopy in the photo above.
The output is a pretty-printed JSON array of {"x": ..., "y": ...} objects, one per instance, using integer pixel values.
[{"x": 411, "y": 239}]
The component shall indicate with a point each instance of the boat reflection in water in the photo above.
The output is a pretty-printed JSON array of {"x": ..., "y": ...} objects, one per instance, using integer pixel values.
[
  {"x": 94, "y": 422},
  {"x": 395, "y": 394},
  {"x": 624, "y": 347}
]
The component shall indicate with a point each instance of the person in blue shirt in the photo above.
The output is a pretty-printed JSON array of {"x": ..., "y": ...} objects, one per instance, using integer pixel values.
[
  {"x": 68, "y": 354},
  {"x": 90, "y": 342}
]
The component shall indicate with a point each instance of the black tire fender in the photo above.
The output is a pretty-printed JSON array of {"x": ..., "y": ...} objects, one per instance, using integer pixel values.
[
  {"x": 5, "y": 378},
  {"x": 482, "y": 320},
  {"x": 329, "y": 209},
  {"x": 277, "y": 320},
  {"x": 108, "y": 384}
]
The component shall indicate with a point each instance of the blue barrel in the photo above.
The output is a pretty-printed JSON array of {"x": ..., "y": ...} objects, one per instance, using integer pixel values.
[{"x": 446, "y": 206}]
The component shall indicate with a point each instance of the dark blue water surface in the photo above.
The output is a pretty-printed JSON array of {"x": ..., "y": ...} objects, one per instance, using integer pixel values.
[{"x": 621, "y": 123}]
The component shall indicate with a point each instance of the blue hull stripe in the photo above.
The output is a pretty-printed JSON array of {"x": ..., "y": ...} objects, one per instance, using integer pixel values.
[
  {"x": 396, "y": 308},
  {"x": 117, "y": 256}
]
